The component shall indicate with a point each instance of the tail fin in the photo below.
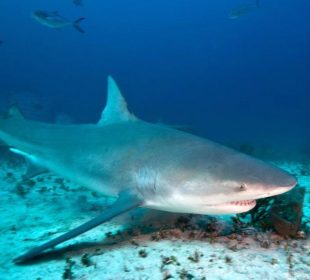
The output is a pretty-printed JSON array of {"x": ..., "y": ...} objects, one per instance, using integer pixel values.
[{"x": 76, "y": 25}]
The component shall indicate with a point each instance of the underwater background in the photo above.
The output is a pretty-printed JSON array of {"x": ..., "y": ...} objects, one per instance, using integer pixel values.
[
  {"x": 233, "y": 71},
  {"x": 238, "y": 80}
]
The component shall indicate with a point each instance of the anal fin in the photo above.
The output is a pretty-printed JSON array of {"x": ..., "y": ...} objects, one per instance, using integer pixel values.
[{"x": 124, "y": 203}]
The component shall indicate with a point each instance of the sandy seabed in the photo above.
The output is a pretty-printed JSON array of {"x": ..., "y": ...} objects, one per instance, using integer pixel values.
[{"x": 143, "y": 244}]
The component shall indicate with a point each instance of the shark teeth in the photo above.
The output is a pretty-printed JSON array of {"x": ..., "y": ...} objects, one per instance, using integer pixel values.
[{"x": 243, "y": 202}]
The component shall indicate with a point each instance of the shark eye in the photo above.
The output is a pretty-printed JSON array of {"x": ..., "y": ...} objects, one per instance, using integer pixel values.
[{"x": 243, "y": 187}]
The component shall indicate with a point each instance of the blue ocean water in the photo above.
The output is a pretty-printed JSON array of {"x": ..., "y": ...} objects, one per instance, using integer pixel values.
[{"x": 243, "y": 80}]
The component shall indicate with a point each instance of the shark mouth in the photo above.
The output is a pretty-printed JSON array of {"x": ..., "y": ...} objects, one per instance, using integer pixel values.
[
  {"x": 247, "y": 203},
  {"x": 231, "y": 207}
]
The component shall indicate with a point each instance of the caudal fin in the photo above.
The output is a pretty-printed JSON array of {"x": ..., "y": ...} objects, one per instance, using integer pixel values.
[{"x": 76, "y": 25}]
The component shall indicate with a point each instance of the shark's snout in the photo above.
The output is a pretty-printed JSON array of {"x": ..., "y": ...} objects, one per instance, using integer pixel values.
[
  {"x": 290, "y": 183},
  {"x": 286, "y": 183},
  {"x": 283, "y": 179},
  {"x": 272, "y": 181}
]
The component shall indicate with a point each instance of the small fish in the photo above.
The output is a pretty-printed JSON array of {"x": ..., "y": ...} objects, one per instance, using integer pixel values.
[
  {"x": 78, "y": 2},
  {"x": 54, "y": 20},
  {"x": 243, "y": 10}
]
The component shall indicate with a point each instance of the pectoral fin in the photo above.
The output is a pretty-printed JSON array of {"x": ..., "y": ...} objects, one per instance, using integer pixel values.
[
  {"x": 33, "y": 165},
  {"x": 124, "y": 203}
]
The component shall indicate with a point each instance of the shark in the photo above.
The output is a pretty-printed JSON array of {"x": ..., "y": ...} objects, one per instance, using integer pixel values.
[{"x": 142, "y": 165}]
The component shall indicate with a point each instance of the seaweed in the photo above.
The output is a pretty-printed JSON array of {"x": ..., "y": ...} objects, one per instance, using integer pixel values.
[
  {"x": 259, "y": 216},
  {"x": 286, "y": 215},
  {"x": 282, "y": 213},
  {"x": 182, "y": 223},
  {"x": 209, "y": 226}
]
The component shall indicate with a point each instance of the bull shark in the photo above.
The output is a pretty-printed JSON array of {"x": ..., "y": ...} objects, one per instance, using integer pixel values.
[
  {"x": 56, "y": 21},
  {"x": 142, "y": 165}
]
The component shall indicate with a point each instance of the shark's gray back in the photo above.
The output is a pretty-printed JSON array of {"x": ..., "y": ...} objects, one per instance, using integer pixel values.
[
  {"x": 111, "y": 157},
  {"x": 103, "y": 157},
  {"x": 123, "y": 152}
]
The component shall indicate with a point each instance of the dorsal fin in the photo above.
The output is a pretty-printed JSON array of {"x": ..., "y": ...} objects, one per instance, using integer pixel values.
[
  {"x": 116, "y": 107},
  {"x": 15, "y": 113}
]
